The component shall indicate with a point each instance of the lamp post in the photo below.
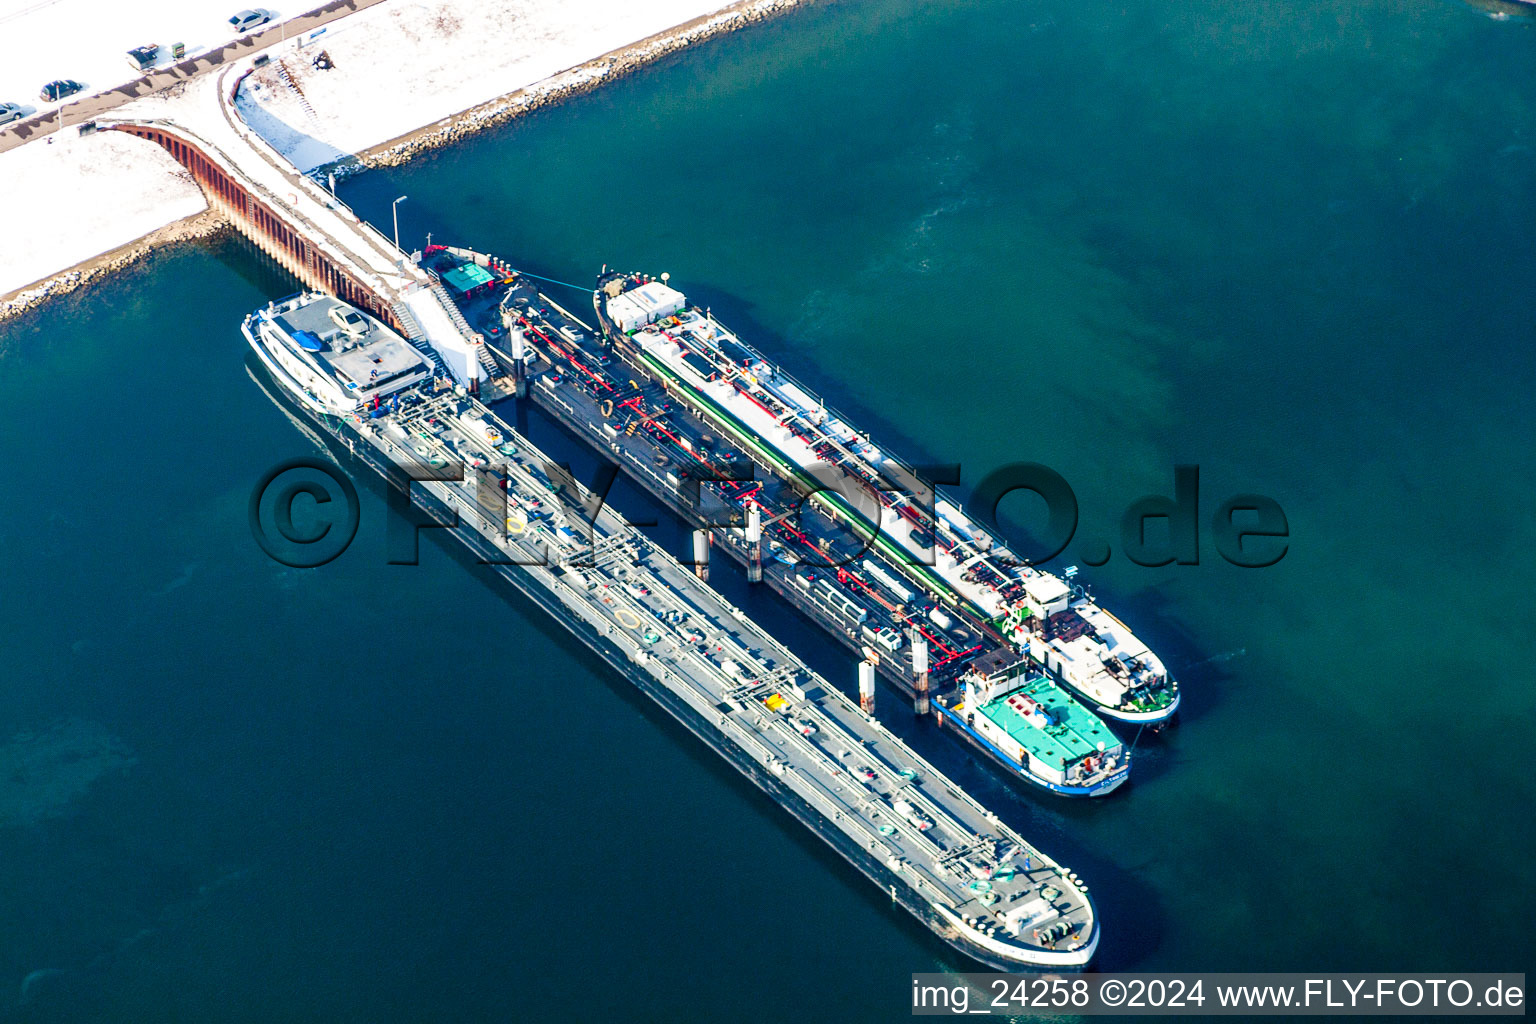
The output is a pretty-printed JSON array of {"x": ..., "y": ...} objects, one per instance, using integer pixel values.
[{"x": 394, "y": 209}]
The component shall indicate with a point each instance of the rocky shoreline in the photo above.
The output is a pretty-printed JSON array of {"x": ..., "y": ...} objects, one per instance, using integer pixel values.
[
  {"x": 572, "y": 82},
  {"x": 195, "y": 228}
]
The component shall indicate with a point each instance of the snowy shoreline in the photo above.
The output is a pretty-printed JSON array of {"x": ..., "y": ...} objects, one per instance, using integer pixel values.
[
  {"x": 273, "y": 111},
  {"x": 193, "y": 228}
]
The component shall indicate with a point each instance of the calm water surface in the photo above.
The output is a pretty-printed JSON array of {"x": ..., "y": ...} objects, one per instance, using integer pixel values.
[{"x": 1290, "y": 243}]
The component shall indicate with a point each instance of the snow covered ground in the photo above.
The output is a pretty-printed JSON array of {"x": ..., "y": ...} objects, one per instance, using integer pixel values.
[
  {"x": 77, "y": 198},
  {"x": 408, "y": 63},
  {"x": 400, "y": 65},
  {"x": 89, "y": 40}
]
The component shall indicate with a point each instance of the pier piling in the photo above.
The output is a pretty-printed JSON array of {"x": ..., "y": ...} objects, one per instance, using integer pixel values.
[
  {"x": 754, "y": 544},
  {"x": 919, "y": 672},
  {"x": 867, "y": 686},
  {"x": 519, "y": 354}
]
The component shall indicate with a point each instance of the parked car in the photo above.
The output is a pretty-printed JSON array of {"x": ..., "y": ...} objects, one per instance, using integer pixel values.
[
  {"x": 143, "y": 58},
  {"x": 59, "y": 89},
  {"x": 249, "y": 19},
  {"x": 9, "y": 112}
]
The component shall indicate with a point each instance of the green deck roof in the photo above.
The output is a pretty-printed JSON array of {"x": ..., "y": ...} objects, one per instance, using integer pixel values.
[
  {"x": 470, "y": 275},
  {"x": 1077, "y": 734}
]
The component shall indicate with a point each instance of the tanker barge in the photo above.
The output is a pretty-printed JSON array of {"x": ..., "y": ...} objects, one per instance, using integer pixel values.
[
  {"x": 1002, "y": 707},
  {"x": 761, "y": 521},
  {"x": 952, "y": 863},
  {"x": 960, "y": 562}
]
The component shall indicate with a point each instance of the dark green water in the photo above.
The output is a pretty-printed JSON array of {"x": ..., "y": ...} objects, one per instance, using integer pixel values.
[{"x": 1291, "y": 243}]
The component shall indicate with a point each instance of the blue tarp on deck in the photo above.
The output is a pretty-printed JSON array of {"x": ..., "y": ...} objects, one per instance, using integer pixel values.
[{"x": 463, "y": 278}]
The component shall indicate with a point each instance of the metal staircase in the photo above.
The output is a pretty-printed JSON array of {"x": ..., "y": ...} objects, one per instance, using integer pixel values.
[
  {"x": 441, "y": 295},
  {"x": 418, "y": 337},
  {"x": 493, "y": 369},
  {"x": 408, "y": 323}
]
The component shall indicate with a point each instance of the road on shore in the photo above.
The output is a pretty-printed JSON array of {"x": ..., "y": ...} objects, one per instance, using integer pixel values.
[{"x": 93, "y": 106}]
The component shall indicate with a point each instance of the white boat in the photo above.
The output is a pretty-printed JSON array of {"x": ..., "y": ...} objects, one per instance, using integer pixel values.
[{"x": 332, "y": 356}]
